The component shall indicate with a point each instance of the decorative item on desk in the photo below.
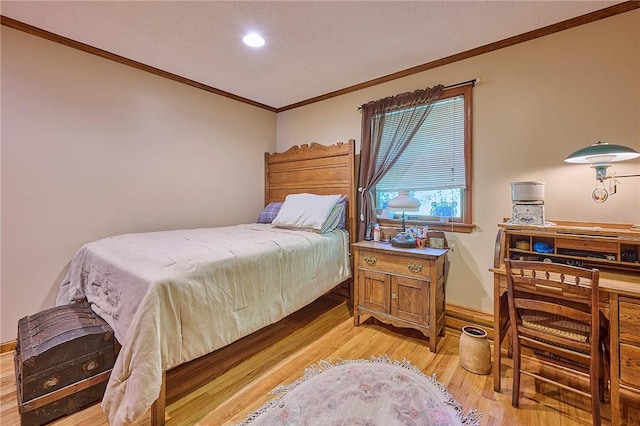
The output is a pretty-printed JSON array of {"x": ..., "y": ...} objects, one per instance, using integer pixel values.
[
  {"x": 527, "y": 214},
  {"x": 385, "y": 238},
  {"x": 404, "y": 203},
  {"x": 437, "y": 243},
  {"x": 629, "y": 256},
  {"x": 530, "y": 192},
  {"x": 414, "y": 232},
  {"x": 527, "y": 258},
  {"x": 528, "y": 203},
  {"x": 436, "y": 238},
  {"x": 541, "y": 247},
  {"x": 368, "y": 236}
]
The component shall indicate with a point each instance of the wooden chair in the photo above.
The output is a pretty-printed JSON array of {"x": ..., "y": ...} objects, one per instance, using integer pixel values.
[{"x": 554, "y": 310}]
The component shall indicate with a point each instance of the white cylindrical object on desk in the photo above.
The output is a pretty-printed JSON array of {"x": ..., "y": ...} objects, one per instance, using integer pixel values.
[{"x": 531, "y": 191}]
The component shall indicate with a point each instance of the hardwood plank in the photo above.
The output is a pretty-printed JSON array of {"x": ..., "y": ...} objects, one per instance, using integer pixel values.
[{"x": 226, "y": 386}]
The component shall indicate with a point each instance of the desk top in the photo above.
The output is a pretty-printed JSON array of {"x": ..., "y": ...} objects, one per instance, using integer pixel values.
[{"x": 620, "y": 282}]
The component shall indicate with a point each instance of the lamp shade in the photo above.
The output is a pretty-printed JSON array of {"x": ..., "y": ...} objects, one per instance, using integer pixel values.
[
  {"x": 602, "y": 153},
  {"x": 404, "y": 202}
]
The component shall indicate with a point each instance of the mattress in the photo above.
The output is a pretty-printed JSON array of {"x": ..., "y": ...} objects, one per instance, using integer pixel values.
[{"x": 174, "y": 296}]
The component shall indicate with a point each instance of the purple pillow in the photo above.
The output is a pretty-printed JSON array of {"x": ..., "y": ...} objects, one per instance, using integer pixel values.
[{"x": 269, "y": 213}]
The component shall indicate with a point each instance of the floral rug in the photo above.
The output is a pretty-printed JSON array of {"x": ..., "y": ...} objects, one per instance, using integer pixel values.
[{"x": 374, "y": 392}]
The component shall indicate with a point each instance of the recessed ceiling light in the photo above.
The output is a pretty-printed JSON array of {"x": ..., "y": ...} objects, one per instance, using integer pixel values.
[{"x": 253, "y": 40}]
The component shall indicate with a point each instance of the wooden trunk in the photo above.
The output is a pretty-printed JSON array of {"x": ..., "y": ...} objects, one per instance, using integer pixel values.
[{"x": 63, "y": 359}]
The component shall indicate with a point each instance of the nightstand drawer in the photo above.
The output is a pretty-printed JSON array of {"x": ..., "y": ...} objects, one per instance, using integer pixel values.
[{"x": 394, "y": 264}]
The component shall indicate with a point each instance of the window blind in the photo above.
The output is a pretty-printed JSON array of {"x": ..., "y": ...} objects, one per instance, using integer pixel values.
[{"x": 435, "y": 157}]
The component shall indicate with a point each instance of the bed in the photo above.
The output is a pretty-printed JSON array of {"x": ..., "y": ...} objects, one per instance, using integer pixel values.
[{"x": 174, "y": 296}]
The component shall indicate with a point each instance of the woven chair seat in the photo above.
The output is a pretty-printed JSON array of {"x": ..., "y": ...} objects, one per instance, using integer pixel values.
[{"x": 555, "y": 324}]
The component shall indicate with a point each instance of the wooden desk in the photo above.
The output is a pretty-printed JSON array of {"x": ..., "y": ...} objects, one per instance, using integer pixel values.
[{"x": 620, "y": 297}]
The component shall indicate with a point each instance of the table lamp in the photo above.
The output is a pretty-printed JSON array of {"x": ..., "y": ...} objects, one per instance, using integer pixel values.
[{"x": 404, "y": 203}]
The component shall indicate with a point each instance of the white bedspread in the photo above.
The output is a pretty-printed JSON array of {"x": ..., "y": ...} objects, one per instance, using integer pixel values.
[{"x": 174, "y": 296}]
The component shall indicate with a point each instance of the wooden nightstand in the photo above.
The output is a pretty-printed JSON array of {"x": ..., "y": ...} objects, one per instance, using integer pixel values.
[{"x": 401, "y": 287}]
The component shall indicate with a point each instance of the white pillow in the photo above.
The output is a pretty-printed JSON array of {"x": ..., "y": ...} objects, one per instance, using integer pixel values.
[{"x": 306, "y": 211}]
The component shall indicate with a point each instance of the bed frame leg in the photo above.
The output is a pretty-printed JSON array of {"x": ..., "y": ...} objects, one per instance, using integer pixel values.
[{"x": 157, "y": 409}]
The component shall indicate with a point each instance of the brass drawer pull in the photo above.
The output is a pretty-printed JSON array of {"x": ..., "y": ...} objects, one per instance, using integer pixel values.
[
  {"x": 51, "y": 382},
  {"x": 369, "y": 260},
  {"x": 90, "y": 365},
  {"x": 415, "y": 267},
  {"x": 394, "y": 296}
]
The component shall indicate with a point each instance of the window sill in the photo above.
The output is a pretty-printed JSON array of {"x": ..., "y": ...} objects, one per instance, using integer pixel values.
[{"x": 463, "y": 228}]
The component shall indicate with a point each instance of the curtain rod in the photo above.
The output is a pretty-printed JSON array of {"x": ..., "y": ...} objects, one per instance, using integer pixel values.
[
  {"x": 464, "y": 83},
  {"x": 473, "y": 82}
]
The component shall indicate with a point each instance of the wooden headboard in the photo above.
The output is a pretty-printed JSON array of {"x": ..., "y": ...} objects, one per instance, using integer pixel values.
[{"x": 315, "y": 169}]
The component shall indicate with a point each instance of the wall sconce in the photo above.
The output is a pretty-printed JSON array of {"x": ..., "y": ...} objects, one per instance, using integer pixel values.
[{"x": 600, "y": 155}]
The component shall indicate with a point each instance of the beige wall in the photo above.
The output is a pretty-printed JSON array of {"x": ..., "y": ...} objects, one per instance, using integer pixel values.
[
  {"x": 538, "y": 102},
  {"x": 92, "y": 148}
]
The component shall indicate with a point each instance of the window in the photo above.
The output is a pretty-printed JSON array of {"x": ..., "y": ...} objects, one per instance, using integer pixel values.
[{"x": 436, "y": 166}]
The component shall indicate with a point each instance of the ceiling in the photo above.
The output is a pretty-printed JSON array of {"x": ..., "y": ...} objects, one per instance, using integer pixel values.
[{"x": 312, "y": 47}]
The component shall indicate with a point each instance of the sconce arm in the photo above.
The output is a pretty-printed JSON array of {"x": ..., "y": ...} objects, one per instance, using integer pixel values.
[{"x": 619, "y": 176}]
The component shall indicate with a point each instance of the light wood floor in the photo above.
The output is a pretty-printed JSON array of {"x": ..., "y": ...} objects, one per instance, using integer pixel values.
[{"x": 226, "y": 386}]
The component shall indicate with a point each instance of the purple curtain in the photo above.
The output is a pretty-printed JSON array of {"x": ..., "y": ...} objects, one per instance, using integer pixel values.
[{"x": 375, "y": 162}]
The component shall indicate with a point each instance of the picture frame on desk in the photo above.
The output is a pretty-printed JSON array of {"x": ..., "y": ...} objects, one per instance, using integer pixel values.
[{"x": 437, "y": 240}]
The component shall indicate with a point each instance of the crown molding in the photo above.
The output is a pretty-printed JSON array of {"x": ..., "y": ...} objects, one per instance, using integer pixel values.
[{"x": 531, "y": 35}]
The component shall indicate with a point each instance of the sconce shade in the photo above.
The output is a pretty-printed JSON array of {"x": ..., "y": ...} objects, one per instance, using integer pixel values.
[
  {"x": 602, "y": 153},
  {"x": 404, "y": 202}
]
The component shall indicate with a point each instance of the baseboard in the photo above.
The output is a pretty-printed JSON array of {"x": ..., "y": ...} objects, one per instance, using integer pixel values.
[
  {"x": 456, "y": 318},
  {"x": 459, "y": 316},
  {"x": 7, "y": 347}
]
